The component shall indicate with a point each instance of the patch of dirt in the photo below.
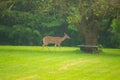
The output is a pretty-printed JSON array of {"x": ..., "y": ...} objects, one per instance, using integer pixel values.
[
  {"x": 28, "y": 77},
  {"x": 71, "y": 64},
  {"x": 65, "y": 67}
]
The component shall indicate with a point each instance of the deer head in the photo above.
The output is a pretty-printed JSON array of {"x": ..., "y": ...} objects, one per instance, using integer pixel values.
[{"x": 66, "y": 36}]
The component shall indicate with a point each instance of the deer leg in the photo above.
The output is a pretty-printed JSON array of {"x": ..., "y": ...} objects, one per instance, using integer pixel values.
[
  {"x": 43, "y": 46},
  {"x": 55, "y": 47},
  {"x": 47, "y": 47},
  {"x": 59, "y": 46}
]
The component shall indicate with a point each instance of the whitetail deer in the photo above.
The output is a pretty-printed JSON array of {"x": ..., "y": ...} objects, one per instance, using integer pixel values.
[{"x": 54, "y": 40}]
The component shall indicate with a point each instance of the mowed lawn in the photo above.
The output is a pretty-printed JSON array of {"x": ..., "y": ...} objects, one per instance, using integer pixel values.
[{"x": 36, "y": 63}]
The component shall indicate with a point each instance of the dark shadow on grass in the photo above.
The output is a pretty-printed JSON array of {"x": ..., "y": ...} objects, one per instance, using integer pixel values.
[
  {"x": 106, "y": 54},
  {"x": 77, "y": 51},
  {"x": 109, "y": 54}
]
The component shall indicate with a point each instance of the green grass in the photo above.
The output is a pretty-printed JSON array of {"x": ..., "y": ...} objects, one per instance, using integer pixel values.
[{"x": 34, "y": 63}]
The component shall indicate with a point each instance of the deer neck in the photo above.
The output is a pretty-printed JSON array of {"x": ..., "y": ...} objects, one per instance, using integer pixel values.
[{"x": 63, "y": 38}]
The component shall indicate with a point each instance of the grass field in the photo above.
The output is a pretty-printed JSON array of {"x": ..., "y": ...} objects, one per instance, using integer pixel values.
[{"x": 34, "y": 63}]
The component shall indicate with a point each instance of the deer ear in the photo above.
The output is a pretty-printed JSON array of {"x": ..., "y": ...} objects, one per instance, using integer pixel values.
[{"x": 64, "y": 33}]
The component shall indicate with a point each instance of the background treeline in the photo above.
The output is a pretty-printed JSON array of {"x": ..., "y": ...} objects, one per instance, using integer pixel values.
[{"x": 23, "y": 22}]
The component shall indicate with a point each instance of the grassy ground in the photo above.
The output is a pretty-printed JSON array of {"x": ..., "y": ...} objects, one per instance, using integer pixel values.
[{"x": 34, "y": 63}]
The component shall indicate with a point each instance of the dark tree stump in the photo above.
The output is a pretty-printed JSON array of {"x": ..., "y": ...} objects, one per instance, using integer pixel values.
[{"x": 89, "y": 48}]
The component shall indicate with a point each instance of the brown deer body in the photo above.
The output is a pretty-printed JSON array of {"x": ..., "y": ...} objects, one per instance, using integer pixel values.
[{"x": 54, "y": 40}]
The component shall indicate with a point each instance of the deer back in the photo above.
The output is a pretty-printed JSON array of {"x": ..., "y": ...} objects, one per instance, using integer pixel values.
[{"x": 51, "y": 39}]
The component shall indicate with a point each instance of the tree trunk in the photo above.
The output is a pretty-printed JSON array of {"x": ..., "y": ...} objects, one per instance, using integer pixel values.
[{"x": 90, "y": 38}]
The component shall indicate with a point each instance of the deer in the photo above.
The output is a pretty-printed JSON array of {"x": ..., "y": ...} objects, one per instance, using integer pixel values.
[{"x": 54, "y": 40}]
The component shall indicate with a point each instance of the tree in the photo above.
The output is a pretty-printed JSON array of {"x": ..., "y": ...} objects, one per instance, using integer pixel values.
[
  {"x": 42, "y": 15},
  {"x": 116, "y": 32},
  {"x": 20, "y": 23},
  {"x": 87, "y": 15}
]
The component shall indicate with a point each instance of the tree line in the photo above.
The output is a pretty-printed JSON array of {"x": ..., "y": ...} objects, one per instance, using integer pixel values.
[{"x": 26, "y": 22}]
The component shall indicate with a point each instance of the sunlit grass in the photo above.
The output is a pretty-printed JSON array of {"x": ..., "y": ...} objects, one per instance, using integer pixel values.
[{"x": 67, "y": 63}]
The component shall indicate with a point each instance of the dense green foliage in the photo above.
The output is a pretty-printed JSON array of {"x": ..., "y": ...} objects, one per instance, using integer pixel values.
[
  {"x": 26, "y": 22},
  {"x": 110, "y": 37},
  {"x": 32, "y": 63}
]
